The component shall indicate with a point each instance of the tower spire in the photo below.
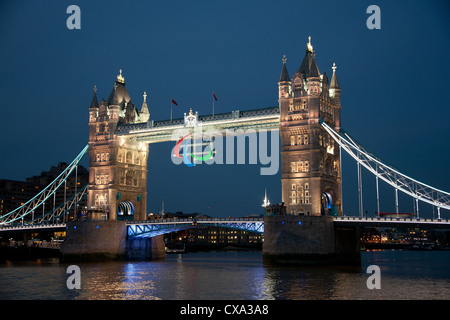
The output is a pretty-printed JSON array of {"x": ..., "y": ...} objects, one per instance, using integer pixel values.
[
  {"x": 334, "y": 82},
  {"x": 284, "y": 73},
  {"x": 309, "y": 67},
  {"x": 309, "y": 45},
  {"x": 144, "y": 114},
  {"x": 94, "y": 102},
  {"x": 120, "y": 78},
  {"x": 266, "y": 201}
]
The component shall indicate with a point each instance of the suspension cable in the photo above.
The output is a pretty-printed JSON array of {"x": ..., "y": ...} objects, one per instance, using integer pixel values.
[
  {"x": 398, "y": 180},
  {"x": 39, "y": 199}
]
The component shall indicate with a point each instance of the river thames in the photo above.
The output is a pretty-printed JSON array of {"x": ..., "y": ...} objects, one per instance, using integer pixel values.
[{"x": 232, "y": 275}]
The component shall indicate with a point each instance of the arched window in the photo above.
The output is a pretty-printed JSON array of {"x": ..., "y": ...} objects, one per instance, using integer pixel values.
[{"x": 129, "y": 158}]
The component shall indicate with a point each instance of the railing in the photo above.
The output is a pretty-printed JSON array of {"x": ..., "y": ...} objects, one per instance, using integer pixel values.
[
  {"x": 225, "y": 117},
  {"x": 200, "y": 220},
  {"x": 32, "y": 226},
  {"x": 393, "y": 220}
]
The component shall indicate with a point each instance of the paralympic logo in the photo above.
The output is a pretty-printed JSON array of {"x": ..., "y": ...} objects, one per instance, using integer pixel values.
[
  {"x": 230, "y": 146},
  {"x": 185, "y": 157}
]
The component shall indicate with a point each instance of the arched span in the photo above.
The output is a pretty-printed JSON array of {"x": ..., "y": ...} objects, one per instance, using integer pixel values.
[
  {"x": 125, "y": 210},
  {"x": 151, "y": 229}
]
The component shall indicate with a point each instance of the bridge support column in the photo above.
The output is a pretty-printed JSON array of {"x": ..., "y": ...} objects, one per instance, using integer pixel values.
[
  {"x": 106, "y": 240},
  {"x": 309, "y": 240},
  {"x": 145, "y": 249}
]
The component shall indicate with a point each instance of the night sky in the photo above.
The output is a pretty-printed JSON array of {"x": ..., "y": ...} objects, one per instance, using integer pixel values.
[{"x": 394, "y": 82}]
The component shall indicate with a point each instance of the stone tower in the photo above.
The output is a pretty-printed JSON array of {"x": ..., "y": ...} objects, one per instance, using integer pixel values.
[
  {"x": 117, "y": 166},
  {"x": 310, "y": 159}
]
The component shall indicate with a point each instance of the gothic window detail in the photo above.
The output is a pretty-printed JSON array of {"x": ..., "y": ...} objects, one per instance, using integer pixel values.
[
  {"x": 102, "y": 179},
  {"x": 130, "y": 178},
  {"x": 122, "y": 177},
  {"x": 129, "y": 158},
  {"x": 299, "y": 166},
  {"x": 300, "y": 194}
]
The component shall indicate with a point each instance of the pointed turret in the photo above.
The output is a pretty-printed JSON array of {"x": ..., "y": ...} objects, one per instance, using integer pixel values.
[
  {"x": 284, "y": 85},
  {"x": 335, "y": 90},
  {"x": 144, "y": 114},
  {"x": 94, "y": 102},
  {"x": 119, "y": 95},
  {"x": 334, "y": 82},
  {"x": 309, "y": 68},
  {"x": 284, "y": 73},
  {"x": 130, "y": 113},
  {"x": 313, "y": 69}
]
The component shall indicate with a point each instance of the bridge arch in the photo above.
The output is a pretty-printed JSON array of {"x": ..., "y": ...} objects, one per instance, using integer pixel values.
[
  {"x": 328, "y": 201},
  {"x": 125, "y": 210}
]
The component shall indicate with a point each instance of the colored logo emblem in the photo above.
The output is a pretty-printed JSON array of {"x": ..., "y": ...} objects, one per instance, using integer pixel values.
[{"x": 186, "y": 155}]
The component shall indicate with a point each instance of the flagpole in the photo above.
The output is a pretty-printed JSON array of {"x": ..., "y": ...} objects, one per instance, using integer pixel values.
[
  {"x": 213, "y": 105},
  {"x": 171, "y": 105}
]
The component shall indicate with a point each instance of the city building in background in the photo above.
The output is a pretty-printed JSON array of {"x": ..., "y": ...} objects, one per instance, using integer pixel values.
[{"x": 15, "y": 193}]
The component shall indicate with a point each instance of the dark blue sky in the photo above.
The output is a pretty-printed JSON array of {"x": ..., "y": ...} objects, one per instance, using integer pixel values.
[{"x": 394, "y": 81}]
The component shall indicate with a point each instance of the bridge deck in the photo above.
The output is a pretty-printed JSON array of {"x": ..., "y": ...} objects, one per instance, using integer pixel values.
[
  {"x": 255, "y": 224},
  {"x": 160, "y": 131}
]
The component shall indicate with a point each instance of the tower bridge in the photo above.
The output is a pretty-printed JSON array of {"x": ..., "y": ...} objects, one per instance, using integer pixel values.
[{"x": 308, "y": 119}]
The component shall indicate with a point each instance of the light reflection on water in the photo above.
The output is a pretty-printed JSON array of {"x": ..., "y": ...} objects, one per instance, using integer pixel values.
[{"x": 231, "y": 275}]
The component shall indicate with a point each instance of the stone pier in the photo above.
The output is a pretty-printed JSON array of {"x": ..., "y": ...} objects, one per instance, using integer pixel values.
[
  {"x": 107, "y": 240},
  {"x": 309, "y": 240}
]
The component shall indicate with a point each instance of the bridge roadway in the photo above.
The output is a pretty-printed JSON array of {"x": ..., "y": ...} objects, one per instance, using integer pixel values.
[{"x": 151, "y": 228}]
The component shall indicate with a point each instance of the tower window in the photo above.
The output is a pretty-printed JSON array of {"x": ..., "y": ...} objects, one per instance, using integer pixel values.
[
  {"x": 305, "y": 139},
  {"x": 292, "y": 140},
  {"x": 129, "y": 157}
]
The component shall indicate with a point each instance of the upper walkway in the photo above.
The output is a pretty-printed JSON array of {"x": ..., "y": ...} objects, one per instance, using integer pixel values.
[{"x": 160, "y": 131}]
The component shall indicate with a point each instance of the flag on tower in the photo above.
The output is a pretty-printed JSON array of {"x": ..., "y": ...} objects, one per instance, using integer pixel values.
[
  {"x": 214, "y": 96},
  {"x": 174, "y": 102}
]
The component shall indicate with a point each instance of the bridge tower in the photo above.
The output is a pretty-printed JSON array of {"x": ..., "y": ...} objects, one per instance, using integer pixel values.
[
  {"x": 117, "y": 166},
  {"x": 310, "y": 159}
]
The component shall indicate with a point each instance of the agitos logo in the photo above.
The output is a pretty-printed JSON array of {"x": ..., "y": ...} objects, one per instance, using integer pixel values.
[{"x": 186, "y": 155}]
